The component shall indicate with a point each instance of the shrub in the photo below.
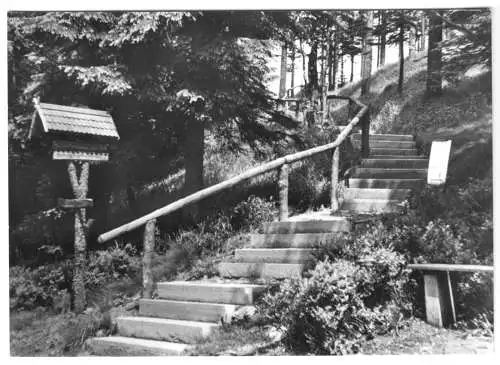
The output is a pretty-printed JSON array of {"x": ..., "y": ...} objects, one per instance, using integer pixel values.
[
  {"x": 39, "y": 287},
  {"x": 325, "y": 313},
  {"x": 114, "y": 263},
  {"x": 250, "y": 214}
]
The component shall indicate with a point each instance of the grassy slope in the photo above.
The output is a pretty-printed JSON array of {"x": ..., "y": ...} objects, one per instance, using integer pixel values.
[{"x": 463, "y": 114}]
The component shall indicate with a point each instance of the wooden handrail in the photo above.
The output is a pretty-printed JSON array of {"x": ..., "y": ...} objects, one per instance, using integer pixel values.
[{"x": 214, "y": 189}]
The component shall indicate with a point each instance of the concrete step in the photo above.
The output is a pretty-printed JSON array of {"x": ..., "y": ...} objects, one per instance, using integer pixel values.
[
  {"x": 276, "y": 255},
  {"x": 387, "y": 194},
  {"x": 260, "y": 270},
  {"x": 335, "y": 224},
  {"x": 190, "y": 311},
  {"x": 386, "y": 183},
  {"x": 397, "y": 157},
  {"x": 380, "y": 143},
  {"x": 400, "y": 163},
  {"x": 226, "y": 293},
  {"x": 386, "y": 137},
  {"x": 297, "y": 240},
  {"x": 164, "y": 329},
  {"x": 371, "y": 205},
  {"x": 129, "y": 346},
  {"x": 394, "y": 151},
  {"x": 380, "y": 173}
]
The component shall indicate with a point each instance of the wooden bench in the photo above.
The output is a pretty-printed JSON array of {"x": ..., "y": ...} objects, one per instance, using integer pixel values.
[{"x": 439, "y": 302}]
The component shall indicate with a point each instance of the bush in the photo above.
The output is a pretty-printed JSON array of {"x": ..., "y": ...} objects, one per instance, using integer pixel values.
[
  {"x": 325, "y": 313},
  {"x": 250, "y": 214},
  {"x": 40, "y": 287}
]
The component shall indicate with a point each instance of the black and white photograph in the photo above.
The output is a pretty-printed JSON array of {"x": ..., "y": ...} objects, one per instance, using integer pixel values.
[{"x": 250, "y": 182}]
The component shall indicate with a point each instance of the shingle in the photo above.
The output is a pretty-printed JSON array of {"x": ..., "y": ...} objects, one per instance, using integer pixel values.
[{"x": 77, "y": 120}]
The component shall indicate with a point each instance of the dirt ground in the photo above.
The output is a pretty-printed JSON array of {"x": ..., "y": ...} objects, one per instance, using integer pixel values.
[{"x": 422, "y": 338}]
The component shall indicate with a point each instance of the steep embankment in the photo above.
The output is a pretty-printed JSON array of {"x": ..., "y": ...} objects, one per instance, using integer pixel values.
[{"x": 463, "y": 114}]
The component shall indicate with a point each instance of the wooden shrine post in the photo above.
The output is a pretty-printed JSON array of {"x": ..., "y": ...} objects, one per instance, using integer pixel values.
[{"x": 79, "y": 136}]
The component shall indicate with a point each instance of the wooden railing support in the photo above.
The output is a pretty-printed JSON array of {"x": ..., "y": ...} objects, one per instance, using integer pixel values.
[
  {"x": 283, "y": 192},
  {"x": 335, "y": 180},
  {"x": 439, "y": 298},
  {"x": 149, "y": 245},
  {"x": 365, "y": 135}
]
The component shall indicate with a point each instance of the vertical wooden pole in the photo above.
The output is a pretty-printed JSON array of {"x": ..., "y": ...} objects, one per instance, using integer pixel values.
[
  {"x": 335, "y": 180},
  {"x": 365, "y": 135},
  {"x": 149, "y": 244},
  {"x": 439, "y": 303},
  {"x": 452, "y": 301},
  {"x": 80, "y": 189},
  {"x": 283, "y": 192},
  {"x": 350, "y": 111}
]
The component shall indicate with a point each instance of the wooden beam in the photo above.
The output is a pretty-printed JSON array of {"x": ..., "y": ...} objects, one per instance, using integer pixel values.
[
  {"x": 75, "y": 203},
  {"x": 451, "y": 267},
  {"x": 80, "y": 156},
  {"x": 283, "y": 192},
  {"x": 147, "y": 274}
]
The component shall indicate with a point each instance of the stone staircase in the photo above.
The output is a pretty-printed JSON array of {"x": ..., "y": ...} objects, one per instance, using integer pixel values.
[{"x": 187, "y": 311}]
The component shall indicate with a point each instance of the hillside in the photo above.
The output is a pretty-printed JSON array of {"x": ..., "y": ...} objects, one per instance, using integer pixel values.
[{"x": 463, "y": 114}]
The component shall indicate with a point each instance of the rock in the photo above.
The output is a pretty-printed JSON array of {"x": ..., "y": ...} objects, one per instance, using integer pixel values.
[
  {"x": 247, "y": 313},
  {"x": 274, "y": 334}
]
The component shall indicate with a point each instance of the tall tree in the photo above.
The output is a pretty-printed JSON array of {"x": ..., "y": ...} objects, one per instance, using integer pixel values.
[
  {"x": 434, "y": 55},
  {"x": 284, "y": 56},
  {"x": 383, "y": 32},
  {"x": 366, "y": 56}
]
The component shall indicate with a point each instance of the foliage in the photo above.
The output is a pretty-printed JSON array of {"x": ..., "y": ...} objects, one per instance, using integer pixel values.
[
  {"x": 112, "y": 264},
  {"x": 249, "y": 214},
  {"x": 56, "y": 335},
  {"x": 40, "y": 287},
  {"x": 468, "y": 43},
  {"x": 325, "y": 313},
  {"x": 50, "y": 285}
]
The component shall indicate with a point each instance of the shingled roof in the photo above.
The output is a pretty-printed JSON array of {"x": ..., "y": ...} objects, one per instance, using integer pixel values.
[{"x": 60, "y": 118}]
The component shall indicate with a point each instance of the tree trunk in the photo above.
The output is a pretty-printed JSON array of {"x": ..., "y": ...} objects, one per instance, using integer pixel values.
[
  {"x": 292, "y": 71},
  {"x": 434, "y": 62},
  {"x": 401, "y": 57},
  {"x": 383, "y": 39},
  {"x": 335, "y": 62},
  {"x": 80, "y": 186},
  {"x": 303, "y": 54},
  {"x": 193, "y": 161},
  {"x": 312, "y": 69},
  {"x": 366, "y": 60},
  {"x": 331, "y": 82},
  {"x": 423, "y": 32},
  {"x": 325, "y": 80},
  {"x": 351, "y": 78},
  {"x": 342, "y": 76},
  {"x": 412, "y": 43},
  {"x": 282, "y": 91}
]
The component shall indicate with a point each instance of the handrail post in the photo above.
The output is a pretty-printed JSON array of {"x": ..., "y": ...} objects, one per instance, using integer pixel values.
[
  {"x": 350, "y": 110},
  {"x": 335, "y": 180},
  {"x": 283, "y": 192},
  {"x": 149, "y": 244},
  {"x": 365, "y": 135}
]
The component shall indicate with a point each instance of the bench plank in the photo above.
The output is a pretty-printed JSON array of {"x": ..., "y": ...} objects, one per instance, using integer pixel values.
[{"x": 451, "y": 267}]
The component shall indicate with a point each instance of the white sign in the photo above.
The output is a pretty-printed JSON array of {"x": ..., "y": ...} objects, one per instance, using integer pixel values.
[{"x": 438, "y": 162}]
